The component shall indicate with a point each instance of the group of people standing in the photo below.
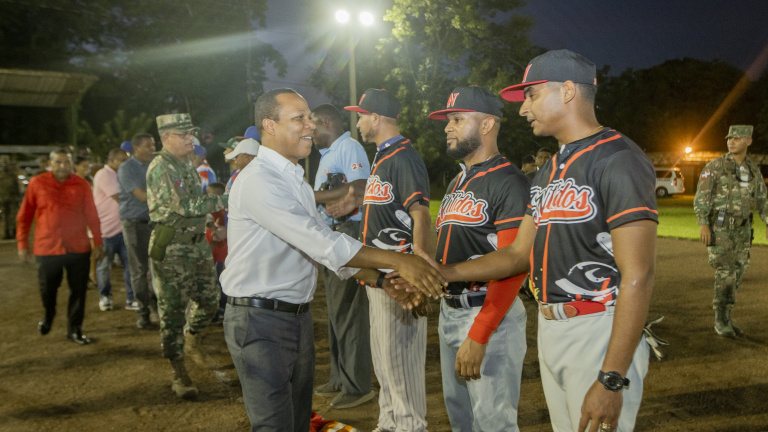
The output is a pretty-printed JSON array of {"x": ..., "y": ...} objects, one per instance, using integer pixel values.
[{"x": 582, "y": 228}]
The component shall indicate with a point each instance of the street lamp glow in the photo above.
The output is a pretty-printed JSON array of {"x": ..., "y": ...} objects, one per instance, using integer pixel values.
[
  {"x": 688, "y": 150},
  {"x": 342, "y": 16},
  {"x": 366, "y": 18}
]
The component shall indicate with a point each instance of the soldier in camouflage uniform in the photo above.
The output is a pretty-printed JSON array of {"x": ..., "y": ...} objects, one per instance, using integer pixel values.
[
  {"x": 181, "y": 257},
  {"x": 730, "y": 188}
]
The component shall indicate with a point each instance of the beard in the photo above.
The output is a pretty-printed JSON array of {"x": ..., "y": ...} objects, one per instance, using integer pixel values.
[{"x": 464, "y": 147}]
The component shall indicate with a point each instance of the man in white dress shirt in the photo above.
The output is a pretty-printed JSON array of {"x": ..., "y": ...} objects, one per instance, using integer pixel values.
[{"x": 276, "y": 240}]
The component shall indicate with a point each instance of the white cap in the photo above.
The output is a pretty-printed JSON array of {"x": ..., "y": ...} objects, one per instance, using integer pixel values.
[{"x": 247, "y": 146}]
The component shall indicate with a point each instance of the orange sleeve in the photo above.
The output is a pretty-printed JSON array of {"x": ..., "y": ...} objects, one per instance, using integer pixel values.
[{"x": 499, "y": 298}]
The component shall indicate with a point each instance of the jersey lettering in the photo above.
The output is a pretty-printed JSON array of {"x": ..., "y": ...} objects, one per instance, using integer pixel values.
[
  {"x": 462, "y": 208},
  {"x": 377, "y": 191},
  {"x": 562, "y": 201}
]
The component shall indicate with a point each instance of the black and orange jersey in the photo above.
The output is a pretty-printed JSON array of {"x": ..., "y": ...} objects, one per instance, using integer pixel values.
[
  {"x": 588, "y": 188},
  {"x": 398, "y": 179},
  {"x": 492, "y": 196}
]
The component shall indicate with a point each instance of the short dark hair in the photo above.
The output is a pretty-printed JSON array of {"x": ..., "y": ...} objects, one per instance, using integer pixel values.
[
  {"x": 266, "y": 107},
  {"x": 218, "y": 187},
  {"x": 62, "y": 150},
  {"x": 80, "y": 159},
  {"x": 543, "y": 150},
  {"x": 528, "y": 159},
  {"x": 587, "y": 91},
  {"x": 140, "y": 137},
  {"x": 330, "y": 113},
  {"x": 113, "y": 153}
]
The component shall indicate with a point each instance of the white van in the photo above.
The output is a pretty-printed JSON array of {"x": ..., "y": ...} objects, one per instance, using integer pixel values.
[{"x": 669, "y": 181}]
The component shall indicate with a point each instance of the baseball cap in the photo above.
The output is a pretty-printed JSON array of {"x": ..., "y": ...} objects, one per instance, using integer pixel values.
[
  {"x": 247, "y": 146},
  {"x": 470, "y": 99},
  {"x": 178, "y": 122},
  {"x": 377, "y": 101},
  {"x": 252, "y": 132},
  {"x": 558, "y": 66},
  {"x": 199, "y": 150},
  {"x": 232, "y": 143},
  {"x": 739, "y": 131},
  {"x": 126, "y": 146}
]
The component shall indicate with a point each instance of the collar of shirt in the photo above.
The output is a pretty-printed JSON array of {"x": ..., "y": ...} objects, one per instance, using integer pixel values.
[
  {"x": 138, "y": 161},
  {"x": 566, "y": 150},
  {"x": 389, "y": 142},
  {"x": 282, "y": 164}
]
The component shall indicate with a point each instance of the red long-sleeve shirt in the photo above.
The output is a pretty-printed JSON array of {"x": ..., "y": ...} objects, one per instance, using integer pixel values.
[{"x": 62, "y": 211}]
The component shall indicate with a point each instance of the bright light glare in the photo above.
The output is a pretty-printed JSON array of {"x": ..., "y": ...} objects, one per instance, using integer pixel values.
[
  {"x": 688, "y": 150},
  {"x": 342, "y": 16},
  {"x": 366, "y": 18}
]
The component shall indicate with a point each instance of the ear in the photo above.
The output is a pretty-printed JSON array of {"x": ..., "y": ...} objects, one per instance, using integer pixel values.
[
  {"x": 268, "y": 125},
  {"x": 568, "y": 91},
  {"x": 749, "y": 141},
  {"x": 486, "y": 125}
]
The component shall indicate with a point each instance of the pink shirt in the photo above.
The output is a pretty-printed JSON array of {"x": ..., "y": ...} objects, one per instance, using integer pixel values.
[{"x": 104, "y": 186}]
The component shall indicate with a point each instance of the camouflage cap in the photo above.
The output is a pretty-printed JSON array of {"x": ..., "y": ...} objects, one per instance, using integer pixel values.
[
  {"x": 739, "y": 131},
  {"x": 232, "y": 143},
  {"x": 179, "y": 122}
]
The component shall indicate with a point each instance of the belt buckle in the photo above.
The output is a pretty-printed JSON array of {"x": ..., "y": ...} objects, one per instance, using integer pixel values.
[{"x": 302, "y": 308}]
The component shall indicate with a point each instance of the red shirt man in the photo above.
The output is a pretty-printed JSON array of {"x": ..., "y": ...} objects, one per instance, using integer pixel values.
[{"x": 62, "y": 207}]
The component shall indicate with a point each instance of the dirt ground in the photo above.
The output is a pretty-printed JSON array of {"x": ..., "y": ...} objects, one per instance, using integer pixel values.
[{"x": 120, "y": 382}]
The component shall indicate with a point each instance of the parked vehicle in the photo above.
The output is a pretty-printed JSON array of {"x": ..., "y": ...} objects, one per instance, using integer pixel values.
[{"x": 669, "y": 181}]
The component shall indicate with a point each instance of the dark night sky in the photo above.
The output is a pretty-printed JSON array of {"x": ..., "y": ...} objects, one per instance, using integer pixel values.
[{"x": 622, "y": 33}]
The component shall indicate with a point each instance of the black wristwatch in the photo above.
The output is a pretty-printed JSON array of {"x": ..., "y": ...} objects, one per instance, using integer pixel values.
[{"x": 612, "y": 381}]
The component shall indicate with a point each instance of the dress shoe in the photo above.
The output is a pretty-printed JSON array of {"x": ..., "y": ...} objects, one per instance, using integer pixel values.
[
  {"x": 43, "y": 327},
  {"x": 78, "y": 338}
]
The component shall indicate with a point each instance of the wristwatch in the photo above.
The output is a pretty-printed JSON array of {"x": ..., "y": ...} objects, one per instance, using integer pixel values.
[{"x": 612, "y": 381}]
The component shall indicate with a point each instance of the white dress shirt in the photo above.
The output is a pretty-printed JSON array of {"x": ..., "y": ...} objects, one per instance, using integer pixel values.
[{"x": 275, "y": 235}]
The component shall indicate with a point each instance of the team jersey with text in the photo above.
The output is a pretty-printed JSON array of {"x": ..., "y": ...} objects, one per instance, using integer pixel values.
[
  {"x": 398, "y": 179},
  {"x": 492, "y": 196},
  {"x": 588, "y": 188}
]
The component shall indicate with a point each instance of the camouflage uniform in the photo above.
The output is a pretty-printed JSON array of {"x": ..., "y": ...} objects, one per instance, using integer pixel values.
[
  {"x": 187, "y": 274},
  {"x": 730, "y": 191}
]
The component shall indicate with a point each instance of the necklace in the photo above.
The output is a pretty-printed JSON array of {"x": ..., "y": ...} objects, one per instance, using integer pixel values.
[
  {"x": 489, "y": 157},
  {"x": 598, "y": 127}
]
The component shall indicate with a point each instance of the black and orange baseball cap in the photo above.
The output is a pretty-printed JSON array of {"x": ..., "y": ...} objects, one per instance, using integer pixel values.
[
  {"x": 377, "y": 101},
  {"x": 470, "y": 99},
  {"x": 558, "y": 66}
]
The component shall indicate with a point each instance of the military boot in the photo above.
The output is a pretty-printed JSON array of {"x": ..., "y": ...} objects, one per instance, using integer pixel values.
[
  {"x": 736, "y": 330},
  {"x": 722, "y": 323},
  {"x": 193, "y": 349},
  {"x": 182, "y": 383}
]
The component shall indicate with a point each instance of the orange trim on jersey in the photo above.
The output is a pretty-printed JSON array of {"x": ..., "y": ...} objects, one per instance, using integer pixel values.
[
  {"x": 482, "y": 173},
  {"x": 448, "y": 238},
  {"x": 546, "y": 243},
  {"x": 413, "y": 195},
  {"x": 631, "y": 211},
  {"x": 590, "y": 148},
  {"x": 367, "y": 206},
  {"x": 508, "y": 220}
]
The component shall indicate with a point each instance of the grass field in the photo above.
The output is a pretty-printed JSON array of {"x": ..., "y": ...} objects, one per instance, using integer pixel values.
[{"x": 676, "y": 218}]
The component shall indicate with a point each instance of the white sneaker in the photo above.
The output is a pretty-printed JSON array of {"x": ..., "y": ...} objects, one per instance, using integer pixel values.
[
  {"x": 132, "y": 305},
  {"x": 105, "y": 303}
]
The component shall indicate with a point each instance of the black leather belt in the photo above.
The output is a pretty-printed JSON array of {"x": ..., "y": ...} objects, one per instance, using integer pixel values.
[
  {"x": 472, "y": 301},
  {"x": 270, "y": 304}
]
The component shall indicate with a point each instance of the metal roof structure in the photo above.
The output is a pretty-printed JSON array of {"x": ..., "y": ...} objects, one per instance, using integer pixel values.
[{"x": 33, "y": 88}]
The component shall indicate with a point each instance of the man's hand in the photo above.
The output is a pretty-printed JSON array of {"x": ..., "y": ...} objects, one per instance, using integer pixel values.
[
  {"x": 705, "y": 234},
  {"x": 469, "y": 358},
  {"x": 600, "y": 406},
  {"x": 422, "y": 309},
  {"x": 97, "y": 253},
  {"x": 345, "y": 205},
  {"x": 406, "y": 299},
  {"x": 218, "y": 233},
  {"x": 423, "y": 276},
  {"x": 24, "y": 256}
]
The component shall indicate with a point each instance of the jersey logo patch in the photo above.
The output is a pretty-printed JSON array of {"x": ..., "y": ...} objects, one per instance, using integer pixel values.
[
  {"x": 392, "y": 239},
  {"x": 562, "y": 201},
  {"x": 462, "y": 208},
  {"x": 706, "y": 174},
  {"x": 377, "y": 191},
  {"x": 591, "y": 281}
]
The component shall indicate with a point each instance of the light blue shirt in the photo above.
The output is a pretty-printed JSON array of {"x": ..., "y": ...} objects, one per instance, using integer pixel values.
[{"x": 345, "y": 156}]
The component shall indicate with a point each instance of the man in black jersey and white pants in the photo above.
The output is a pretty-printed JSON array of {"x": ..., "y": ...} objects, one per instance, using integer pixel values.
[
  {"x": 588, "y": 235},
  {"x": 395, "y": 217}
]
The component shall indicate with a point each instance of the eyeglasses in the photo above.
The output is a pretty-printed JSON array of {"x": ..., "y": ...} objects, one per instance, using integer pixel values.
[{"x": 186, "y": 135}]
